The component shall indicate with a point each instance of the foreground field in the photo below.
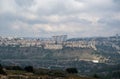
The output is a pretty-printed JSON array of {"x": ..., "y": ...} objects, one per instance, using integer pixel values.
[
  {"x": 40, "y": 77},
  {"x": 17, "y": 74}
]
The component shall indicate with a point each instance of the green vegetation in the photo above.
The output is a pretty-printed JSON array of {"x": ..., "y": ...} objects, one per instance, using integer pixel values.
[
  {"x": 8, "y": 52},
  {"x": 27, "y": 73}
]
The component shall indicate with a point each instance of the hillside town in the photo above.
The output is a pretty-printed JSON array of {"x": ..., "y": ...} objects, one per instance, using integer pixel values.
[
  {"x": 56, "y": 42},
  {"x": 60, "y": 41}
]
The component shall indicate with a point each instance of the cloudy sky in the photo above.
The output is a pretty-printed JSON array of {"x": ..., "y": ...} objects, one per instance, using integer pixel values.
[{"x": 43, "y": 18}]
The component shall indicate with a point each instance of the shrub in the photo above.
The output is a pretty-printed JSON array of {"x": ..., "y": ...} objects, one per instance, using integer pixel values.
[
  {"x": 72, "y": 70},
  {"x": 29, "y": 69}
]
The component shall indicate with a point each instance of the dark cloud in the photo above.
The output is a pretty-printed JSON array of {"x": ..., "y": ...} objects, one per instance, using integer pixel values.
[
  {"x": 6, "y": 19},
  {"x": 117, "y": 1},
  {"x": 24, "y": 3},
  {"x": 109, "y": 22},
  {"x": 76, "y": 20}
]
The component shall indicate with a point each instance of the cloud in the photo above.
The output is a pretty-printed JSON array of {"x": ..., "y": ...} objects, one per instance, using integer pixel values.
[
  {"x": 24, "y": 3},
  {"x": 110, "y": 22},
  {"x": 50, "y": 17}
]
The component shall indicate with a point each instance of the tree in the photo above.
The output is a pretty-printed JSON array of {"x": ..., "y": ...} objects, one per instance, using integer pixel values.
[
  {"x": 2, "y": 71},
  {"x": 95, "y": 76},
  {"x": 29, "y": 69},
  {"x": 72, "y": 70}
]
